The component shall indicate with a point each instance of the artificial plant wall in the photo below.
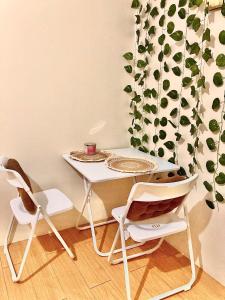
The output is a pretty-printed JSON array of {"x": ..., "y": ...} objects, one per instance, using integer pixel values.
[{"x": 173, "y": 47}]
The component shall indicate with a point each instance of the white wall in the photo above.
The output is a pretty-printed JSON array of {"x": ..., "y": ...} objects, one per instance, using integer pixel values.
[{"x": 61, "y": 84}]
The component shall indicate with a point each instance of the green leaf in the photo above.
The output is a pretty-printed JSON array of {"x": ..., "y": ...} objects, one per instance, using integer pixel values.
[
  {"x": 190, "y": 62},
  {"x": 169, "y": 145},
  {"x": 155, "y": 139},
  {"x": 166, "y": 67},
  {"x": 216, "y": 104},
  {"x": 137, "y": 76},
  {"x": 194, "y": 70},
  {"x": 147, "y": 121},
  {"x": 184, "y": 102},
  {"x": 220, "y": 60},
  {"x": 207, "y": 54},
  {"x": 220, "y": 179},
  {"x": 164, "y": 102},
  {"x": 138, "y": 19},
  {"x": 174, "y": 112},
  {"x": 210, "y": 204},
  {"x": 195, "y": 48},
  {"x": 154, "y": 12},
  {"x": 128, "y": 55},
  {"x": 182, "y": 3},
  {"x": 137, "y": 98},
  {"x": 160, "y": 152},
  {"x": 210, "y": 166},
  {"x": 162, "y": 21},
  {"x": 160, "y": 56},
  {"x": 143, "y": 149},
  {"x": 154, "y": 93},
  {"x": 152, "y": 30},
  {"x": 163, "y": 121},
  {"x": 141, "y": 49},
  {"x": 178, "y": 57},
  {"x": 178, "y": 136},
  {"x": 196, "y": 24},
  {"x": 141, "y": 63},
  {"x": 154, "y": 109},
  {"x": 223, "y": 137},
  {"x": 147, "y": 93},
  {"x": 182, "y": 13},
  {"x": 156, "y": 122},
  {"x": 167, "y": 49},
  {"x": 206, "y": 35},
  {"x": 172, "y": 10},
  {"x": 162, "y": 3},
  {"x": 156, "y": 75},
  {"x": 208, "y": 186},
  {"x": 137, "y": 127},
  {"x": 128, "y": 89},
  {"x": 131, "y": 130},
  {"x": 162, "y": 134},
  {"x": 222, "y": 37},
  {"x": 135, "y": 4},
  {"x": 201, "y": 82},
  {"x": 190, "y": 20},
  {"x": 148, "y": 8},
  {"x": 218, "y": 79},
  {"x": 184, "y": 121},
  {"x": 138, "y": 35},
  {"x": 222, "y": 159},
  {"x": 170, "y": 27},
  {"x": 152, "y": 153},
  {"x": 190, "y": 148},
  {"x": 176, "y": 71},
  {"x": 223, "y": 9},
  {"x": 177, "y": 35},
  {"x": 193, "y": 129},
  {"x": 173, "y": 94},
  {"x": 128, "y": 69},
  {"x": 213, "y": 125},
  {"x": 147, "y": 108},
  {"x": 181, "y": 172},
  {"x": 146, "y": 24},
  {"x": 219, "y": 197},
  {"x": 211, "y": 144},
  {"x": 166, "y": 84},
  {"x": 161, "y": 39},
  {"x": 135, "y": 142},
  {"x": 186, "y": 81},
  {"x": 193, "y": 91}
]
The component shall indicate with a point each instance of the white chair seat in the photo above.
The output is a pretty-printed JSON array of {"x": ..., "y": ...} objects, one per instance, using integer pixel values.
[
  {"x": 53, "y": 202},
  {"x": 153, "y": 228}
]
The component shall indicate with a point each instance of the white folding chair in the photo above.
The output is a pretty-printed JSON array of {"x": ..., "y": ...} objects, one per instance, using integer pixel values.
[
  {"x": 152, "y": 213},
  {"x": 47, "y": 203}
]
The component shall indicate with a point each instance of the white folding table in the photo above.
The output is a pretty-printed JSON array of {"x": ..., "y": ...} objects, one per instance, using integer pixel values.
[{"x": 94, "y": 172}]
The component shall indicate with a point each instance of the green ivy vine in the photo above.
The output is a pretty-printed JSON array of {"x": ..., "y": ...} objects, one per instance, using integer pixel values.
[{"x": 151, "y": 91}]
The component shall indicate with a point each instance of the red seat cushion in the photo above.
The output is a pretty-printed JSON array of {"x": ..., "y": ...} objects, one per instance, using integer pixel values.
[{"x": 141, "y": 210}]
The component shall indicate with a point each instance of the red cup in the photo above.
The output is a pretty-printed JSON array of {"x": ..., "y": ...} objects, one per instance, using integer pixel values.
[{"x": 90, "y": 148}]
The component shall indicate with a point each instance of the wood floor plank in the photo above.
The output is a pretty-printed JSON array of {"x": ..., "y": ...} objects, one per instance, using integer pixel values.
[
  {"x": 3, "y": 290},
  {"x": 19, "y": 291},
  {"x": 50, "y": 274}
]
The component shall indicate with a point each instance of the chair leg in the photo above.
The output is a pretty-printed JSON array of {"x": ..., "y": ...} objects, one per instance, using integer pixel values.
[
  {"x": 125, "y": 264},
  {"x": 59, "y": 237},
  {"x": 191, "y": 255},
  {"x": 113, "y": 245},
  {"x": 15, "y": 276}
]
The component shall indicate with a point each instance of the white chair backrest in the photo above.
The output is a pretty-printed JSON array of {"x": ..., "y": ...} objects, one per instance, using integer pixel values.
[
  {"x": 143, "y": 191},
  {"x": 16, "y": 180},
  {"x": 13, "y": 177}
]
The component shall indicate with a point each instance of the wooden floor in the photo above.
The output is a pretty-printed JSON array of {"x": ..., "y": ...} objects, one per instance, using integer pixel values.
[{"x": 50, "y": 274}]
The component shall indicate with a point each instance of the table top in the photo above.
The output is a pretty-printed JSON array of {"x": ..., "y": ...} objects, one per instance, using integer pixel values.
[{"x": 99, "y": 172}]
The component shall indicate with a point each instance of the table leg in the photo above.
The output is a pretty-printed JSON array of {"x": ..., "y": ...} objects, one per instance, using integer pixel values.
[{"x": 87, "y": 199}]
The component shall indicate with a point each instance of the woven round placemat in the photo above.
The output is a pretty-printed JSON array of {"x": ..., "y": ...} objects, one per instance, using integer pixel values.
[
  {"x": 130, "y": 165},
  {"x": 82, "y": 156}
]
